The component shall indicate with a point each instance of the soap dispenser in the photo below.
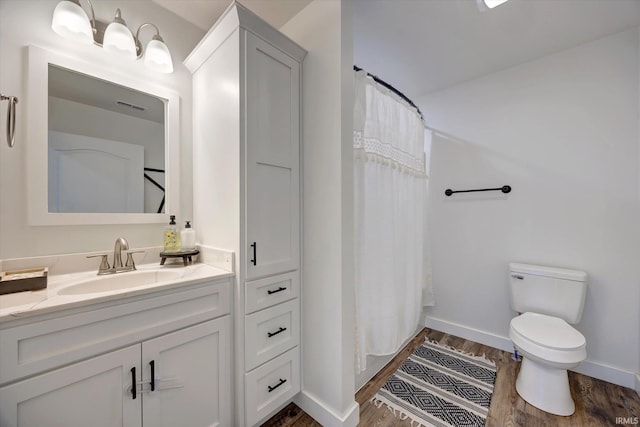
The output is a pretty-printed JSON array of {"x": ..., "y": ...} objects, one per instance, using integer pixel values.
[
  {"x": 171, "y": 236},
  {"x": 188, "y": 237}
]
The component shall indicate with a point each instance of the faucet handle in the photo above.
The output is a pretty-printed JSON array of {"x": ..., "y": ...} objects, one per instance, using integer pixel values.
[
  {"x": 130, "y": 262},
  {"x": 104, "y": 263}
]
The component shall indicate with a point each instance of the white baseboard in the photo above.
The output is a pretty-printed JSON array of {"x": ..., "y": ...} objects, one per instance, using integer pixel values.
[
  {"x": 638, "y": 384},
  {"x": 471, "y": 334},
  {"x": 593, "y": 369},
  {"x": 320, "y": 412},
  {"x": 606, "y": 373}
]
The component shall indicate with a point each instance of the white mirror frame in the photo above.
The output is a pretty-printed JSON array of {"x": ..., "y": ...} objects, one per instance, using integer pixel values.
[{"x": 38, "y": 61}]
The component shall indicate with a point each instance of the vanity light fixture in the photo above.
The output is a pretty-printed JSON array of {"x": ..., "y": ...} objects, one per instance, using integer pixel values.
[{"x": 71, "y": 21}]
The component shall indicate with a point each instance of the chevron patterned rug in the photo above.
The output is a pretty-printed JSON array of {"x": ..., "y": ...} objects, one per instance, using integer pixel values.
[{"x": 440, "y": 386}]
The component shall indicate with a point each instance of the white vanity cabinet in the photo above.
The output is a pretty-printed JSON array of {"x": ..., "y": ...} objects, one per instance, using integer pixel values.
[
  {"x": 193, "y": 379},
  {"x": 177, "y": 343},
  {"x": 246, "y": 145},
  {"x": 92, "y": 392}
]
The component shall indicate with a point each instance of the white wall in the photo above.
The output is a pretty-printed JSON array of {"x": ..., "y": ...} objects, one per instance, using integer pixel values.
[
  {"x": 324, "y": 29},
  {"x": 563, "y": 132},
  {"x": 29, "y": 22}
]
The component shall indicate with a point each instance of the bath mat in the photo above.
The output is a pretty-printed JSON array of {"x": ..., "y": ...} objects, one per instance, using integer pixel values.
[{"x": 440, "y": 386}]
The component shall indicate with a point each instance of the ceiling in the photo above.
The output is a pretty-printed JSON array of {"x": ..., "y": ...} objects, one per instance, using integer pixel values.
[
  {"x": 421, "y": 46},
  {"x": 204, "y": 13}
]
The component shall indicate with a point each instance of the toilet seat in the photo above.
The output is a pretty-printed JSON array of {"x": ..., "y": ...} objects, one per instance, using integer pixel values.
[
  {"x": 548, "y": 331},
  {"x": 548, "y": 339}
]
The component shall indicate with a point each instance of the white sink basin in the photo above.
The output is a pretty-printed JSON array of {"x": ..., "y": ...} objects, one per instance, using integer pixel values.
[{"x": 120, "y": 281}]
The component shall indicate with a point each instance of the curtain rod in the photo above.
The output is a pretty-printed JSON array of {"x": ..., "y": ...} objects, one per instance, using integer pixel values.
[{"x": 393, "y": 89}]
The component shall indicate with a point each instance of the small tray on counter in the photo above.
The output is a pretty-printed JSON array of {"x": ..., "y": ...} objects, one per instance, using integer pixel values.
[
  {"x": 185, "y": 255},
  {"x": 30, "y": 279}
]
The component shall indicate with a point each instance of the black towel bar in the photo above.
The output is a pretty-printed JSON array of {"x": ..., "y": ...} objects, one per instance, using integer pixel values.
[{"x": 505, "y": 189}]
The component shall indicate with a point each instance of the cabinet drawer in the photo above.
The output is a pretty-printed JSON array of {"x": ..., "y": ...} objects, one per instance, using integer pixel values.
[
  {"x": 270, "y": 332},
  {"x": 271, "y": 291},
  {"x": 44, "y": 345},
  {"x": 271, "y": 385}
]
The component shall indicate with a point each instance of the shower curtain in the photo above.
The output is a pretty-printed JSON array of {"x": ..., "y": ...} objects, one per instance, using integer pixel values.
[{"x": 392, "y": 274}]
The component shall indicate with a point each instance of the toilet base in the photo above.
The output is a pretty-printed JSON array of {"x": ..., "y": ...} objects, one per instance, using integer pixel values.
[{"x": 545, "y": 387}]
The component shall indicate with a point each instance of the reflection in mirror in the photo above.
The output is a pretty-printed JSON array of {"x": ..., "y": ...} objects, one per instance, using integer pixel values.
[{"x": 106, "y": 146}]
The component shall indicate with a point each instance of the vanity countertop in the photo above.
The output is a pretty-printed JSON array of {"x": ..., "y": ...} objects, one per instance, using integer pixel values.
[{"x": 60, "y": 293}]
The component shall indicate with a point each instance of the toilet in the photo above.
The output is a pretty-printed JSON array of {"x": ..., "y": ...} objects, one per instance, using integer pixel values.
[{"x": 549, "y": 300}]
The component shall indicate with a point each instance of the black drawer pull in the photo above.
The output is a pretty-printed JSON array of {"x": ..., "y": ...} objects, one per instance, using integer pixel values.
[
  {"x": 277, "y": 385},
  {"x": 254, "y": 245},
  {"x": 272, "y": 334},
  {"x": 153, "y": 375},
  {"x": 280, "y": 289},
  {"x": 133, "y": 383}
]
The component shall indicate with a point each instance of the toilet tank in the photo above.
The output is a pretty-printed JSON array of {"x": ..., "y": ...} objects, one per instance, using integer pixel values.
[{"x": 558, "y": 292}]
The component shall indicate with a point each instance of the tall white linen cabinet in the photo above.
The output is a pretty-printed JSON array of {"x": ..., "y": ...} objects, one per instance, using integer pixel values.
[{"x": 246, "y": 191}]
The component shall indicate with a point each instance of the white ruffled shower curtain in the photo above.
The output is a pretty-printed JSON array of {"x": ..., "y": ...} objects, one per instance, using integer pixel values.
[{"x": 392, "y": 273}]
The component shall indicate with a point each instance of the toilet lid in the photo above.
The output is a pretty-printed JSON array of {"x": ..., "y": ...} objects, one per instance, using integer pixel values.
[{"x": 548, "y": 331}]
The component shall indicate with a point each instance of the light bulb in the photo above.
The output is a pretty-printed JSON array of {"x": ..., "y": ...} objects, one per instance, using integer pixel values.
[
  {"x": 71, "y": 21},
  {"x": 157, "y": 56},
  {"x": 118, "y": 39}
]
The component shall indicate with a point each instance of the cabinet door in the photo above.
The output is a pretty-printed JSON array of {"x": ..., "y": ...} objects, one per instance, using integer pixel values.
[
  {"x": 96, "y": 392},
  {"x": 272, "y": 160},
  {"x": 192, "y": 376}
]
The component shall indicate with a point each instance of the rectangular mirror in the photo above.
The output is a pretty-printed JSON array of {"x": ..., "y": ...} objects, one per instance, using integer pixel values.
[
  {"x": 102, "y": 147},
  {"x": 106, "y": 146}
]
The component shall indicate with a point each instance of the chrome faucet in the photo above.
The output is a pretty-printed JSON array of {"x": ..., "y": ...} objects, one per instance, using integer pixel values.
[{"x": 120, "y": 245}]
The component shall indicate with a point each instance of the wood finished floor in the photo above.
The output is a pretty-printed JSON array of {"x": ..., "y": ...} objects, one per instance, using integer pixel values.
[{"x": 598, "y": 403}]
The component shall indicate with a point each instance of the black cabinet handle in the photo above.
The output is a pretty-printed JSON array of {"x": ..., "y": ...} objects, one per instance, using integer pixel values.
[
  {"x": 279, "y": 331},
  {"x": 133, "y": 383},
  {"x": 255, "y": 248},
  {"x": 153, "y": 375},
  {"x": 280, "y": 289},
  {"x": 271, "y": 388}
]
